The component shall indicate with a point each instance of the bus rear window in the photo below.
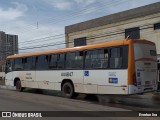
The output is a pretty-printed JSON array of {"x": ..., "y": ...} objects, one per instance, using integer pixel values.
[{"x": 152, "y": 52}]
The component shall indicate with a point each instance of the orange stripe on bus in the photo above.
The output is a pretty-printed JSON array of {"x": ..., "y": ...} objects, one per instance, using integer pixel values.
[
  {"x": 100, "y": 45},
  {"x": 131, "y": 63}
]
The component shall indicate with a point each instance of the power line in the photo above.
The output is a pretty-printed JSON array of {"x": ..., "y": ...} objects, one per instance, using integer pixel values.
[
  {"x": 75, "y": 16},
  {"x": 86, "y": 10},
  {"x": 48, "y": 44},
  {"x": 146, "y": 26},
  {"x": 36, "y": 39},
  {"x": 31, "y": 41},
  {"x": 89, "y": 39},
  {"x": 44, "y": 46},
  {"x": 56, "y": 44}
]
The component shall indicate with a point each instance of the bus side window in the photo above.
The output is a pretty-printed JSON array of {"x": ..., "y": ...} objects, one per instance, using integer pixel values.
[
  {"x": 125, "y": 57},
  {"x": 88, "y": 63},
  {"x": 53, "y": 61},
  {"x": 60, "y": 61},
  {"x": 74, "y": 60},
  {"x": 100, "y": 58},
  {"x": 79, "y": 59},
  {"x": 8, "y": 66},
  {"x": 115, "y": 57},
  {"x": 18, "y": 64},
  {"x": 104, "y": 58},
  {"x": 29, "y": 63},
  {"x": 96, "y": 59},
  {"x": 42, "y": 62},
  {"x": 70, "y": 59}
]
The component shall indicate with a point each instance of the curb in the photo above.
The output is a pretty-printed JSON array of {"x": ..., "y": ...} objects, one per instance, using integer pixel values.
[{"x": 7, "y": 87}]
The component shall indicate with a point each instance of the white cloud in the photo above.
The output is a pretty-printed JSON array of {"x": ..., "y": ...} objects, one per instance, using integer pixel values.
[
  {"x": 85, "y": 2},
  {"x": 69, "y": 4},
  {"x": 13, "y": 13},
  {"x": 61, "y": 4},
  {"x": 42, "y": 33},
  {"x": 13, "y": 22},
  {"x": 90, "y": 10}
]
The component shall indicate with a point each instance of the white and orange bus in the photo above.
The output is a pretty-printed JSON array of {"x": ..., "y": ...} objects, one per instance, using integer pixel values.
[{"x": 116, "y": 67}]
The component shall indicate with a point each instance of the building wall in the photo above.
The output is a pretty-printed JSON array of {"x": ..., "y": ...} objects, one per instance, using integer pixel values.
[
  {"x": 8, "y": 45},
  {"x": 116, "y": 30},
  {"x": 2, "y": 45},
  {"x": 11, "y": 44}
]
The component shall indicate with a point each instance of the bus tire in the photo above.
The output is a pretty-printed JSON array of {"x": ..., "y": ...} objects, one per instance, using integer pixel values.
[
  {"x": 68, "y": 90},
  {"x": 18, "y": 86}
]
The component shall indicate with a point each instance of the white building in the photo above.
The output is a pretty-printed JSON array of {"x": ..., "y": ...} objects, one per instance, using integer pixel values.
[{"x": 138, "y": 23}]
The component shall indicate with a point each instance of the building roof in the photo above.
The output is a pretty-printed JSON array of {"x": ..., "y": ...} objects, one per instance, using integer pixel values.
[{"x": 113, "y": 18}]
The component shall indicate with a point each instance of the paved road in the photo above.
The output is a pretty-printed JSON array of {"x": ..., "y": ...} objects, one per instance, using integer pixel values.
[
  {"x": 11, "y": 100},
  {"x": 24, "y": 101},
  {"x": 147, "y": 101}
]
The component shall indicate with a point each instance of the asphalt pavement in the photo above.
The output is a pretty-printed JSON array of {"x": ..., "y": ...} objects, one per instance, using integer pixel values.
[{"x": 37, "y": 100}]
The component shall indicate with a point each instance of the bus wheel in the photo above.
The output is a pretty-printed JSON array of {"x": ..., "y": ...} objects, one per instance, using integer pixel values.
[
  {"x": 68, "y": 90},
  {"x": 18, "y": 86}
]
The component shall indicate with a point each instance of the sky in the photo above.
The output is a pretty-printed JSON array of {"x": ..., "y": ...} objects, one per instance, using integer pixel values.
[{"x": 40, "y": 24}]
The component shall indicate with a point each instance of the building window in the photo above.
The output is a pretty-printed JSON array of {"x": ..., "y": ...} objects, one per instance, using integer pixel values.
[
  {"x": 156, "y": 26},
  {"x": 133, "y": 33},
  {"x": 80, "y": 41}
]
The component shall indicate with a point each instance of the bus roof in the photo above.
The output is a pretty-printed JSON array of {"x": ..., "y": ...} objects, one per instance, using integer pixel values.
[{"x": 87, "y": 47}]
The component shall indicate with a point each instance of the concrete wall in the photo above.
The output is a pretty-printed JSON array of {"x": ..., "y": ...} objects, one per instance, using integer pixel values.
[
  {"x": 8, "y": 45},
  {"x": 116, "y": 31},
  {"x": 112, "y": 27}
]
